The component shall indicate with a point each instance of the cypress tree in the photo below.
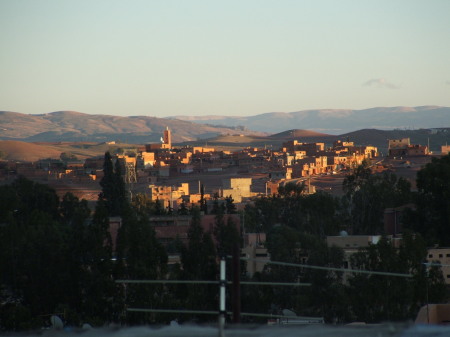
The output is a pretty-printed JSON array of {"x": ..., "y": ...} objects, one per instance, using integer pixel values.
[{"x": 113, "y": 187}]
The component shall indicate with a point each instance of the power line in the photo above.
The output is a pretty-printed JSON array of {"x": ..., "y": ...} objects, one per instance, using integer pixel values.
[
  {"x": 289, "y": 284},
  {"x": 344, "y": 270}
]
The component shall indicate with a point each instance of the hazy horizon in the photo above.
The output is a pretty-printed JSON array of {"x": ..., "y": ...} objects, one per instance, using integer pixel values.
[
  {"x": 206, "y": 116},
  {"x": 169, "y": 58}
]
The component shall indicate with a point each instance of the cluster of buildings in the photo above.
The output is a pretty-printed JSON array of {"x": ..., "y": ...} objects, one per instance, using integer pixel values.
[{"x": 159, "y": 170}]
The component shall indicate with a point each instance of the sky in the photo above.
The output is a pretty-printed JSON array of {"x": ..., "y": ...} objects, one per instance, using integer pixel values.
[{"x": 189, "y": 57}]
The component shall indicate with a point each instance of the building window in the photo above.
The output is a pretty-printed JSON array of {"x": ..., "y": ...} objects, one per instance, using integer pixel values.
[
  {"x": 430, "y": 256},
  {"x": 448, "y": 276},
  {"x": 440, "y": 255},
  {"x": 447, "y": 255}
]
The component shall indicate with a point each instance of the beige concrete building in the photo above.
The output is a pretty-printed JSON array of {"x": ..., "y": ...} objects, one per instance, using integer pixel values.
[
  {"x": 169, "y": 195},
  {"x": 145, "y": 160},
  {"x": 351, "y": 244},
  {"x": 254, "y": 249},
  {"x": 352, "y": 241},
  {"x": 441, "y": 256},
  {"x": 403, "y": 147},
  {"x": 237, "y": 188}
]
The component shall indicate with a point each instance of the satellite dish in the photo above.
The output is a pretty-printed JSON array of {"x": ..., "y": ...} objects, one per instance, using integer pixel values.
[
  {"x": 287, "y": 312},
  {"x": 57, "y": 322},
  {"x": 86, "y": 326},
  {"x": 343, "y": 233}
]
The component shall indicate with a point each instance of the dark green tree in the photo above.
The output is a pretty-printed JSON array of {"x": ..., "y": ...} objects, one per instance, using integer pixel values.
[
  {"x": 97, "y": 284},
  {"x": 354, "y": 181},
  {"x": 225, "y": 232},
  {"x": 73, "y": 210},
  {"x": 217, "y": 206},
  {"x": 432, "y": 218},
  {"x": 198, "y": 260},
  {"x": 113, "y": 187},
  {"x": 139, "y": 256},
  {"x": 32, "y": 251},
  {"x": 183, "y": 210},
  {"x": 317, "y": 214},
  {"x": 203, "y": 206},
  {"x": 327, "y": 296},
  {"x": 368, "y": 195},
  {"x": 284, "y": 245},
  {"x": 230, "y": 206},
  {"x": 389, "y": 297}
]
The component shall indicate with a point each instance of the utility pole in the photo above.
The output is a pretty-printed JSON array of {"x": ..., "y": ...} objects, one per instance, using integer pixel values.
[
  {"x": 222, "y": 310},
  {"x": 236, "y": 284}
]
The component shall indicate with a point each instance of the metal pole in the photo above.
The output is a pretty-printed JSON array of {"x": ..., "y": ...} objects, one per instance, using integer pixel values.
[
  {"x": 236, "y": 284},
  {"x": 223, "y": 283},
  {"x": 426, "y": 282}
]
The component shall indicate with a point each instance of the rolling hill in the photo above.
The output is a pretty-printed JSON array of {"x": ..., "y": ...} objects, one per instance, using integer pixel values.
[
  {"x": 32, "y": 137},
  {"x": 25, "y": 151},
  {"x": 70, "y": 126}
]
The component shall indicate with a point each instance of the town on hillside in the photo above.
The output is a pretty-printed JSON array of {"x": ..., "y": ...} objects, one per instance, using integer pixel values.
[
  {"x": 343, "y": 195},
  {"x": 178, "y": 177}
]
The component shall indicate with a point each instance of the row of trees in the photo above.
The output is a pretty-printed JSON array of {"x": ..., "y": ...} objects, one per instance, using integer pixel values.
[
  {"x": 359, "y": 211},
  {"x": 297, "y": 224},
  {"x": 57, "y": 257},
  {"x": 340, "y": 297}
]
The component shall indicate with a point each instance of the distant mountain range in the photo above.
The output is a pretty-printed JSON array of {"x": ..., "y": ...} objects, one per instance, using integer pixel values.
[
  {"x": 335, "y": 121},
  {"x": 75, "y": 126},
  {"x": 432, "y": 124}
]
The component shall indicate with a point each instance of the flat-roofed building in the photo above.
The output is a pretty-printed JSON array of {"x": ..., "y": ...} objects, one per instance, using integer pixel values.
[
  {"x": 441, "y": 256},
  {"x": 169, "y": 195},
  {"x": 254, "y": 249},
  {"x": 237, "y": 188}
]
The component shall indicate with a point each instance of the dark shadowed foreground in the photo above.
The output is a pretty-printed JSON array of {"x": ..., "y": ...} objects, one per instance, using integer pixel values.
[{"x": 401, "y": 330}]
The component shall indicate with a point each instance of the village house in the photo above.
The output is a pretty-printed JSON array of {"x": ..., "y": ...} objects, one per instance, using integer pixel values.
[
  {"x": 237, "y": 188},
  {"x": 169, "y": 196},
  {"x": 255, "y": 251},
  {"x": 351, "y": 244},
  {"x": 441, "y": 255},
  {"x": 403, "y": 147}
]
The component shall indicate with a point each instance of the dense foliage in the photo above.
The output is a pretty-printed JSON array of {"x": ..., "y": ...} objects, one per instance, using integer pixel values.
[
  {"x": 58, "y": 257},
  {"x": 432, "y": 216}
]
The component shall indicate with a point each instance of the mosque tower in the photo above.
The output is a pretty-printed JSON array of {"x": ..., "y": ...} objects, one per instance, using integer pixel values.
[{"x": 167, "y": 138}]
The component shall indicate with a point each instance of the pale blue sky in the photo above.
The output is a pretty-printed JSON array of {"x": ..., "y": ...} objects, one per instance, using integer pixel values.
[{"x": 162, "y": 58}]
